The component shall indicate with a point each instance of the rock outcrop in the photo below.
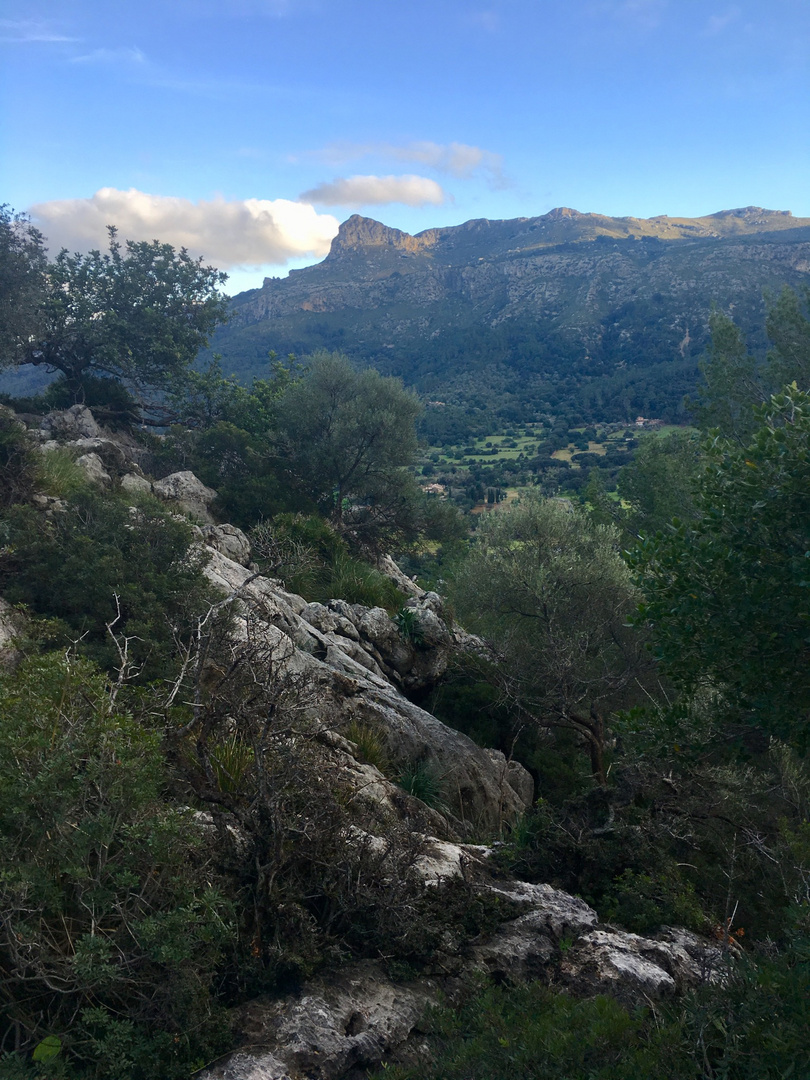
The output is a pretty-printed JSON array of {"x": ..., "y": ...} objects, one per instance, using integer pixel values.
[
  {"x": 340, "y": 1024},
  {"x": 344, "y": 1023},
  {"x": 347, "y": 652},
  {"x": 188, "y": 493}
]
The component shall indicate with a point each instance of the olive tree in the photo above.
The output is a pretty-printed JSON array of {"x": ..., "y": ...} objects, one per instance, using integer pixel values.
[
  {"x": 548, "y": 587},
  {"x": 22, "y": 283},
  {"x": 138, "y": 314},
  {"x": 348, "y": 437}
]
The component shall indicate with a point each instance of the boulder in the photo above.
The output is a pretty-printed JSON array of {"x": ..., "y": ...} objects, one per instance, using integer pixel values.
[
  {"x": 94, "y": 468},
  {"x": 134, "y": 483},
  {"x": 229, "y": 540},
  {"x": 77, "y": 422},
  {"x": 636, "y": 969},
  {"x": 343, "y": 1023},
  {"x": 11, "y": 626},
  {"x": 189, "y": 493}
]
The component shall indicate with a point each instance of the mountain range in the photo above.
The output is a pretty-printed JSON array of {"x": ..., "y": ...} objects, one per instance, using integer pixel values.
[{"x": 603, "y": 317}]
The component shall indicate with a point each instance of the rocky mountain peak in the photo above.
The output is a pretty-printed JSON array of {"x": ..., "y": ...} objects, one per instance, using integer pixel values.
[
  {"x": 360, "y": 233},
  {"x": 563, "y": 212}
]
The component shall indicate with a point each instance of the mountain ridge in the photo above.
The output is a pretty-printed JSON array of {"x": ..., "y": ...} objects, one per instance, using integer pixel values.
[{"x": 568, "y": 307}]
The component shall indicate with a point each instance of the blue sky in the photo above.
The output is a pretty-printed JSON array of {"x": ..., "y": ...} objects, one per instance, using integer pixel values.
[{"x": 247, "y": 129}]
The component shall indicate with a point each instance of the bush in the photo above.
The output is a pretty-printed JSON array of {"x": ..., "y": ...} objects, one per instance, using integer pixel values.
[
  {"x": 97, "y": 563},
  {"x": 314, "y": 561},
  {"x": 113, "y": 926},
  {"x": 18, "y": 460}
]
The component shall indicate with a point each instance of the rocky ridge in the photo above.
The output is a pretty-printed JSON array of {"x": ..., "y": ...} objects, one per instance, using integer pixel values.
[
  {"x": 359, "y": 668},
  {"x": 530, "y": 298}
]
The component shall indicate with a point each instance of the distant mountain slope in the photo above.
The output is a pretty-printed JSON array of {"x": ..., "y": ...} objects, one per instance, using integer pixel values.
[{"x": 602, "y": 316}]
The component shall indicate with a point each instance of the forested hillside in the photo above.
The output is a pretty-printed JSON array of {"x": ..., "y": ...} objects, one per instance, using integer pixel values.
[
  {"x": 600, "y": 318},
  {"x": 264, "y": 797}
]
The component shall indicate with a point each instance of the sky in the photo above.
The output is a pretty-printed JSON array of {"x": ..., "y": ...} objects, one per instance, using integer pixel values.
[{"x": 247, "y": 130}]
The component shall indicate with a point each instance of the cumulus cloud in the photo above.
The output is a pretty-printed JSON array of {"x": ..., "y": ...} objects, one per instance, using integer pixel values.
[
  {"x": 456, "y": 159},
  {"x": 376, "y": 190},
  {"x": 247, "y": 232}
]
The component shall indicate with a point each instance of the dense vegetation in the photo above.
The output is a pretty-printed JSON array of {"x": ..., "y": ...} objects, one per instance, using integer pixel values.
[{"x": 655, "y": 618}]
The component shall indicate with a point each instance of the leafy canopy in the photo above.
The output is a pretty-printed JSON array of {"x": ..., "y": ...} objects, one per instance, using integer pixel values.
[
  {"x": 728, "y": 595},
  {"x": 138, "y": 315},
  {"x": 22, "y": 283},
  {"x": 549, "y": 588}
]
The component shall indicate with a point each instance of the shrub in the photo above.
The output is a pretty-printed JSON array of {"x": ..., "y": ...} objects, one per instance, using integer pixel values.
[
  {"x": 97, "y": 563},
  {"x": 314, "y": 561},
  {"x": 113, "y": 926}
]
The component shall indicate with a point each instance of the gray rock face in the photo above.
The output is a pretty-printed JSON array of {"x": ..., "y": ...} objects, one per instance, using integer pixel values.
[
  {"x": 93, "y": 466},
  {"x": 228, "y": 540},
  {"x": 339, "y": 1024},
  {"x": 329, "y": 645},
  {"x": 635, "y": 969},
  {"x": 190, "y": 494},
  {"x": 134, "y": 483},
  {"x": 343, "y": 1023},
  {"x": 11, "y": 625},
  {"x": 65, "y": 425}
]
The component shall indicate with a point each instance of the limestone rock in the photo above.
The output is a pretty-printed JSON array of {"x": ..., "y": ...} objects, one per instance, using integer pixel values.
[
  {"x": 477, "y": 787},
  {"x": 11, "y": 625},
  {"x": 191, "y": 494},
  {"x": 94, "y": 467},
  {"x": 344, "y": 1022},
  {"x": 229, "y": 540},
  {"x": 77, "y": 422},
  {"x": 389, "y": 569},
  {"x": 635, "y": 969},
  {"x": 134, "y": 483}
]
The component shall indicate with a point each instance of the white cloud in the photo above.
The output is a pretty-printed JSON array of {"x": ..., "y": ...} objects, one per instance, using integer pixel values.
[
  {"x": 247, "y": 232},
  {"x": 131, "y": 55},
  {"x": 457, "y": 159},
  {"x": 23, "y": 31},
  {"x": 376, "y": 190}
]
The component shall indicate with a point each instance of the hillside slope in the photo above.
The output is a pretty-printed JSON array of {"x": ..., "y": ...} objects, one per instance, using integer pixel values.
[{"x": 605, "y": 316}]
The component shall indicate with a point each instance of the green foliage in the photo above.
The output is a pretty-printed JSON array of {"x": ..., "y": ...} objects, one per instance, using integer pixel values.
[
  {"x": 370, "y": 743},
  {"x": 732, "y": 382},
  {"x": 18, "y": 461},
  {"x": 348, "y": 437},
  {"x": 112, "y": 928},
  {"x": 421, "y": 780},
  {"x": 139, "y": 317},
  {"x": 550, "y": 589},
  {"x": 313, "y": 560},
  {"x": 534, "y": 1033},
  {"x": 726, "y": 594},
  {"x": 112, "y": 403},
  {"x": 98, "y": 564},
  {"x": 752, "y": 1026},
  {"x": 407, "y": 622},
  {"x": 659, "y": 483},
  {"x": 59, "y": 475},
  {"x": 788, "y": 329},
  {"x": 22, "y": 283}
]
